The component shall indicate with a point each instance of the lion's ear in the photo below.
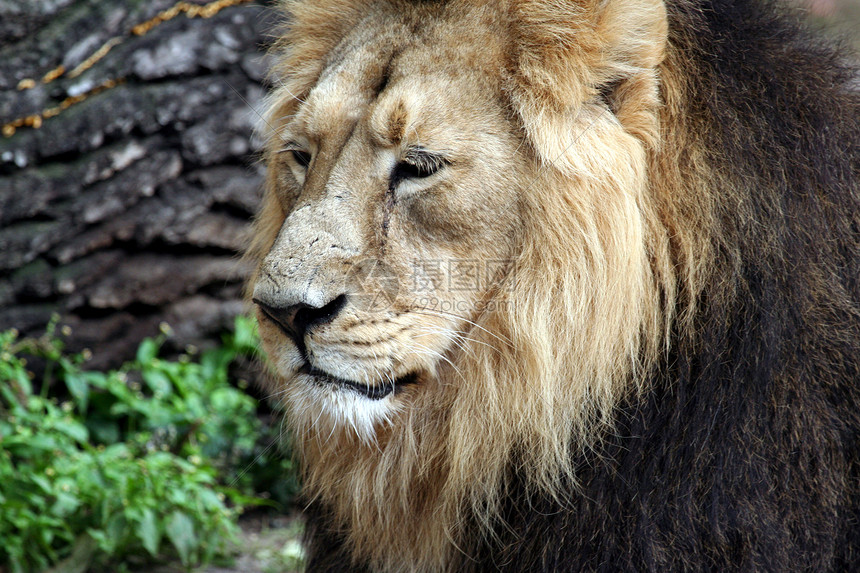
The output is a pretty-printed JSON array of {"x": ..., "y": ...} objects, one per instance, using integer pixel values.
[
  {"x": 570, "y": 52},
  {"x": 311, "y": 29}
]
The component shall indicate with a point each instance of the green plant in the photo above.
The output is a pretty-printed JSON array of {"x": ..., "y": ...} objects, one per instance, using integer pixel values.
[{"x": 98, "y": 467}]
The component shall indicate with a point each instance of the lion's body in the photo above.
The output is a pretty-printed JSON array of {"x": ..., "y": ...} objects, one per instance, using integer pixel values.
[{"x": 665, "y": 374}]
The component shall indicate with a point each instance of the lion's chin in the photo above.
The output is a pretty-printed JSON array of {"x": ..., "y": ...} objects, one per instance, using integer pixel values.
[
  {"x": 369, "y": 391},
  {"x": 322, "y": 404}
]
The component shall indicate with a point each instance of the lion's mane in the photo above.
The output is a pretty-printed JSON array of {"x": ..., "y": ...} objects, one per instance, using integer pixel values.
[{"x": 714, "y": 335}]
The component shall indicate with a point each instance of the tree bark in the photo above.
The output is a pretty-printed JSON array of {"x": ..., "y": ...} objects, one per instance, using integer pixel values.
[{"x": 127, "y": 175}]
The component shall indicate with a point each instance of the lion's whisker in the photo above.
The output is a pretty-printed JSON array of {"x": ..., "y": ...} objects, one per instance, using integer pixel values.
[
  {"x": 272, "y": 444},
  {"x": 426, "y": 351},
  {"x": 443, "y": 314},
  {"x": 459, "y": 338},
  {"x": 294, "y": 96},
  {"x": 257, "y": 113}
]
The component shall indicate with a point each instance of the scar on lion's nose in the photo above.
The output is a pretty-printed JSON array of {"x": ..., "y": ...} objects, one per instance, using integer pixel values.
[{"x": 295, "y": 320}]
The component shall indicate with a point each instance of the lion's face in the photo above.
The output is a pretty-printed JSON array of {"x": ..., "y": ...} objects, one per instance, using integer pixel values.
[
  {"x": 459, "y": 256},
  {"x": 399, "y": 178}
]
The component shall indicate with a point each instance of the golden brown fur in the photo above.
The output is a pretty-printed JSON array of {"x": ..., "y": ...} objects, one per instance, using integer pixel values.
[{"x": 573, "y": 158}]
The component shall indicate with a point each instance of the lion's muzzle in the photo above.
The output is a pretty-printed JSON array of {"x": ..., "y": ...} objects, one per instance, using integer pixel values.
[{"x": 295, "y": 320}]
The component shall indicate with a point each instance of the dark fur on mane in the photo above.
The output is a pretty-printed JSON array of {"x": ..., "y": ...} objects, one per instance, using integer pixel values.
[{"x": 744, "y": 452}]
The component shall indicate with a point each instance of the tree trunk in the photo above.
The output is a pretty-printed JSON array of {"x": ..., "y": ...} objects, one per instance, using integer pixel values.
[{"x": 127, "y": 169}]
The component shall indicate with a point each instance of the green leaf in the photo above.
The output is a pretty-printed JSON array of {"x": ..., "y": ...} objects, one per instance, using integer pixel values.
[
  {"x": 110, "y": 473},
  {"x": 72, "y": 429},
  {"x": 120, "y": 450},
  {"x": 179, "y": 496},
  {"x": 210, "y": 500},
  {"x": 180, "y": 531},
  {"x": 245, "y": 337},
  {"x": 157, "y": 381},
  {"x": 44, "y": 483},
  {"x": 23, "y": 380},
  {"x": 20, "y": 444},
  {"x": 83, "y": 551},
  {"x": 65, "y": 504},
  {"x": 148, "y": 532},
  {"x": 104, "y": 430},
  {"x": 79, "y": 388},
  {"x": 147, "y": 351},
  {"x": 97, "y": 379},
  {"x": 116, "y": 529}
]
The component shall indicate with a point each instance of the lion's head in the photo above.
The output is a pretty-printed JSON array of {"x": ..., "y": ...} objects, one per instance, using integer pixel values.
[{"x": 461, "y": 265}]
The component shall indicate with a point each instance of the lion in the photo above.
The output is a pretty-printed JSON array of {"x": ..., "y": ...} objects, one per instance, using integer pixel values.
[{"x": 564, "y": 285}]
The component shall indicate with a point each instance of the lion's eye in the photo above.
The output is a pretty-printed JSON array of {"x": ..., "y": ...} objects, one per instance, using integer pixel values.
[
  {"x": 405, "y": 170},
  {"x": 418, "y": 164},
  {"x": 303, "y": 158}
]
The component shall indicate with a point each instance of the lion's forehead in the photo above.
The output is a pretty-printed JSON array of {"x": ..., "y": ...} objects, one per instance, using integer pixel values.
[
  {"x": 390, "y": 75},
  {"x": 341, "y": 95}
]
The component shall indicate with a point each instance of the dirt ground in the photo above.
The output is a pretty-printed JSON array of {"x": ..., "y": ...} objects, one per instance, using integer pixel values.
[{"x": 267, "y": 544}]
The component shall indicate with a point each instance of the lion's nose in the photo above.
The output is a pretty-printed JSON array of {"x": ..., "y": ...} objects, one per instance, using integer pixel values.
[{"x": 295, "y": 320}]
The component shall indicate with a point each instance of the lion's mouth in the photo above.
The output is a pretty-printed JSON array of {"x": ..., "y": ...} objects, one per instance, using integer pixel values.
[
  {"x": 371, "y": 392},
  {"x": 366, "y": 390}
]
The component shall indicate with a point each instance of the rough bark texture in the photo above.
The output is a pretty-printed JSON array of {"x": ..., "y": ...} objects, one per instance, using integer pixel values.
[{"x": 127, "y": 206}]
